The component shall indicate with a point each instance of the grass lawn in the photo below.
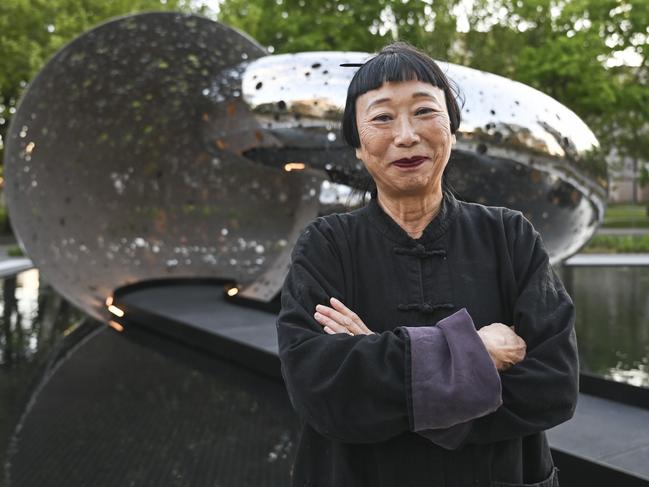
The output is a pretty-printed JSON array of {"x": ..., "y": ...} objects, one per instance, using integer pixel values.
[
  {"x": 626, "y": 216},
  {"x": 614, "y": 244},
  {"x": 622, "y": 216},
  {"x": 15, "y": 251}
]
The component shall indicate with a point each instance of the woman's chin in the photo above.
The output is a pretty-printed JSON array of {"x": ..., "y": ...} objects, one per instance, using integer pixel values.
[{"x": 413, "y": 187}]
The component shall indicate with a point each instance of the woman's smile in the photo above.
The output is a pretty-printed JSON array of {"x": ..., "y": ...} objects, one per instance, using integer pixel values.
[
  {"x": 405, "y": 137},
  {"x": 409, "y": 163}
]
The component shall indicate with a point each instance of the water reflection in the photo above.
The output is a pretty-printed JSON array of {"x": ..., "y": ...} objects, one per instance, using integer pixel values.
[
  {"x": 34, "y": 317},
  {"x": 33, "y": 321},
  {"x": 612, "y": 321}
]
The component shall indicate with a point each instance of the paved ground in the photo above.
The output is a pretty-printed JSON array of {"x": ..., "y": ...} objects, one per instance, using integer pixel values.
[
  {"x": 11, "y": 265},
  {"x": 623, "y": 231},
  {"x": 591, "y": 260},
  {"x": 5, "y": 244},
  {"x": 607, "y": 432}
]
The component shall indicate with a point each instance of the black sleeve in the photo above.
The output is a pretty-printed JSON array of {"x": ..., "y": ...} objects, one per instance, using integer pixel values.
[
  {"x": 348, "y": 388},
  {"x": 541, "y": 391},
  {"x": 364, "y": 389}
]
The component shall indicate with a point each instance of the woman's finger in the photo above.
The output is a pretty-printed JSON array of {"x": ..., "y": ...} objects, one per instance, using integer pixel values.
[
  {"x": 340, "y": 306},
  {"x": 339, "y": 318},
  {"x": 327, "y": 322}
]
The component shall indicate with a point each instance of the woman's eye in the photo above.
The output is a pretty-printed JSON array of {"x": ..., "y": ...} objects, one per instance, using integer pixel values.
[
  {"x": 382, "y": 118},
  {"x": 424, "y": 111}
]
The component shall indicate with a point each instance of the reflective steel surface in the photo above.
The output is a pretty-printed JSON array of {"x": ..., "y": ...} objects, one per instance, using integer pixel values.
[
  {"x": 517, "y": 147},
  {"x": 163, "y": 144}
]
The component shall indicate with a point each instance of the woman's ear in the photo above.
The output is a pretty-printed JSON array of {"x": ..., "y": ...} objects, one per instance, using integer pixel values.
[
  {"x": 358, "y": 153},
  {"x": 453, "y": 140}
]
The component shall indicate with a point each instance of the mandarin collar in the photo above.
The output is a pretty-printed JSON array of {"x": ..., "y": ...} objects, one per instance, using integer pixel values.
[{"x": 435, "y": 229}]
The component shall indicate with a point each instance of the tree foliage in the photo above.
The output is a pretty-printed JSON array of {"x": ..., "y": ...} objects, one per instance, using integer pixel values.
[{"x": 352, "y": 25}]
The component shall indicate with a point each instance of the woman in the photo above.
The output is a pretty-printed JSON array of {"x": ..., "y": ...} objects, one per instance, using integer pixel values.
[{"x": 424, "y": 341}]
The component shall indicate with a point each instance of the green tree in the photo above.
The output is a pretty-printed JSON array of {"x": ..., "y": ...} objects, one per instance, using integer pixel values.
[{"x": 320, "y": 25}]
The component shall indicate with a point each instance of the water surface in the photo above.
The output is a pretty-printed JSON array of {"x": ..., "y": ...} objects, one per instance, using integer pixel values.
[{"x": 612, "y": 306}]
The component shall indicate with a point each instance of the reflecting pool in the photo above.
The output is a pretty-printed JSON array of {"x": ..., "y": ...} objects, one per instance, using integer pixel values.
[
  {"x": 33, "y": 321},
  {"x": 85, "y": 405},
  {"x": 612, "y": 320}
]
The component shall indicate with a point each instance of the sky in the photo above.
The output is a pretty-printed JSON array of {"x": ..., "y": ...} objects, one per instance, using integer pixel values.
[{"x": 212, "y": 4}]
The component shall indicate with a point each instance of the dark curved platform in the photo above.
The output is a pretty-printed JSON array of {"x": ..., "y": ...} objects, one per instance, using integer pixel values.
[{"x": 196, "y": 312}]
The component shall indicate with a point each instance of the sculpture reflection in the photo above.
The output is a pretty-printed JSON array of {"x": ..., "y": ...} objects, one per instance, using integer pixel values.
[{"x": 159, "y": 144}]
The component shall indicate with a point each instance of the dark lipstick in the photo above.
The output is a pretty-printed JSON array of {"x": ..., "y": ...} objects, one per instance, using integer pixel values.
[{"x": 409, "y": 161}]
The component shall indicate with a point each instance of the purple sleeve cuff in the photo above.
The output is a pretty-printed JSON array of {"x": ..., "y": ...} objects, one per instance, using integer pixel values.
[
  {"x": 452, "y": 376},
  {"x": 449, "y": 438}
]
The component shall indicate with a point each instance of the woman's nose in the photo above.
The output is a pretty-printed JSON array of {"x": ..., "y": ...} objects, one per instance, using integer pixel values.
[{"x": 405, "y": 133}]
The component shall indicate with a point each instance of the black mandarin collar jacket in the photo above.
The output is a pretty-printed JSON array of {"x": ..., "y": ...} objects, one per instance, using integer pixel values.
[{"x": 355, "y": 393}]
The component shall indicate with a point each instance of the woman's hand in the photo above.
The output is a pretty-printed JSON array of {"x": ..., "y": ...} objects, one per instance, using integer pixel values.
[
  {"x": 340, "y": 319},
  {"x": 505, "y": 347}
]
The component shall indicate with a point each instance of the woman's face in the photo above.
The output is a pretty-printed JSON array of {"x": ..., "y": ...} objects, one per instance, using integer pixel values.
[{"x": 405, "y": 134}]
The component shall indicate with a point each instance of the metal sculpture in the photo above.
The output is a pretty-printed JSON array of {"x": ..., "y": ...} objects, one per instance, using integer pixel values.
[{"x": 169, "y": 145}]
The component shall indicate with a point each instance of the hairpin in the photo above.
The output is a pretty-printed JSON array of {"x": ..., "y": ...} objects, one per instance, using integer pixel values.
[{"x": 351, "y": 65}]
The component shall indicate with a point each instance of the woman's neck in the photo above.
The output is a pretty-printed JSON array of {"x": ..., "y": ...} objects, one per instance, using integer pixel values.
[{"x": 412, "y": 213}]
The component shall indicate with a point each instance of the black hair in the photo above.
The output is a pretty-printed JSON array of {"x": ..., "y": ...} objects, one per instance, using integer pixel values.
[{"x": 396, "y": 62}]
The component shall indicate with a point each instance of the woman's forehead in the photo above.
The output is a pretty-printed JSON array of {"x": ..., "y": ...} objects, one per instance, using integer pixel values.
[{"x": 400, "y": 92}]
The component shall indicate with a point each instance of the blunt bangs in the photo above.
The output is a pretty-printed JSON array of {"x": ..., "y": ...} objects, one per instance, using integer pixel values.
[{"x": 396, "y": 62}]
